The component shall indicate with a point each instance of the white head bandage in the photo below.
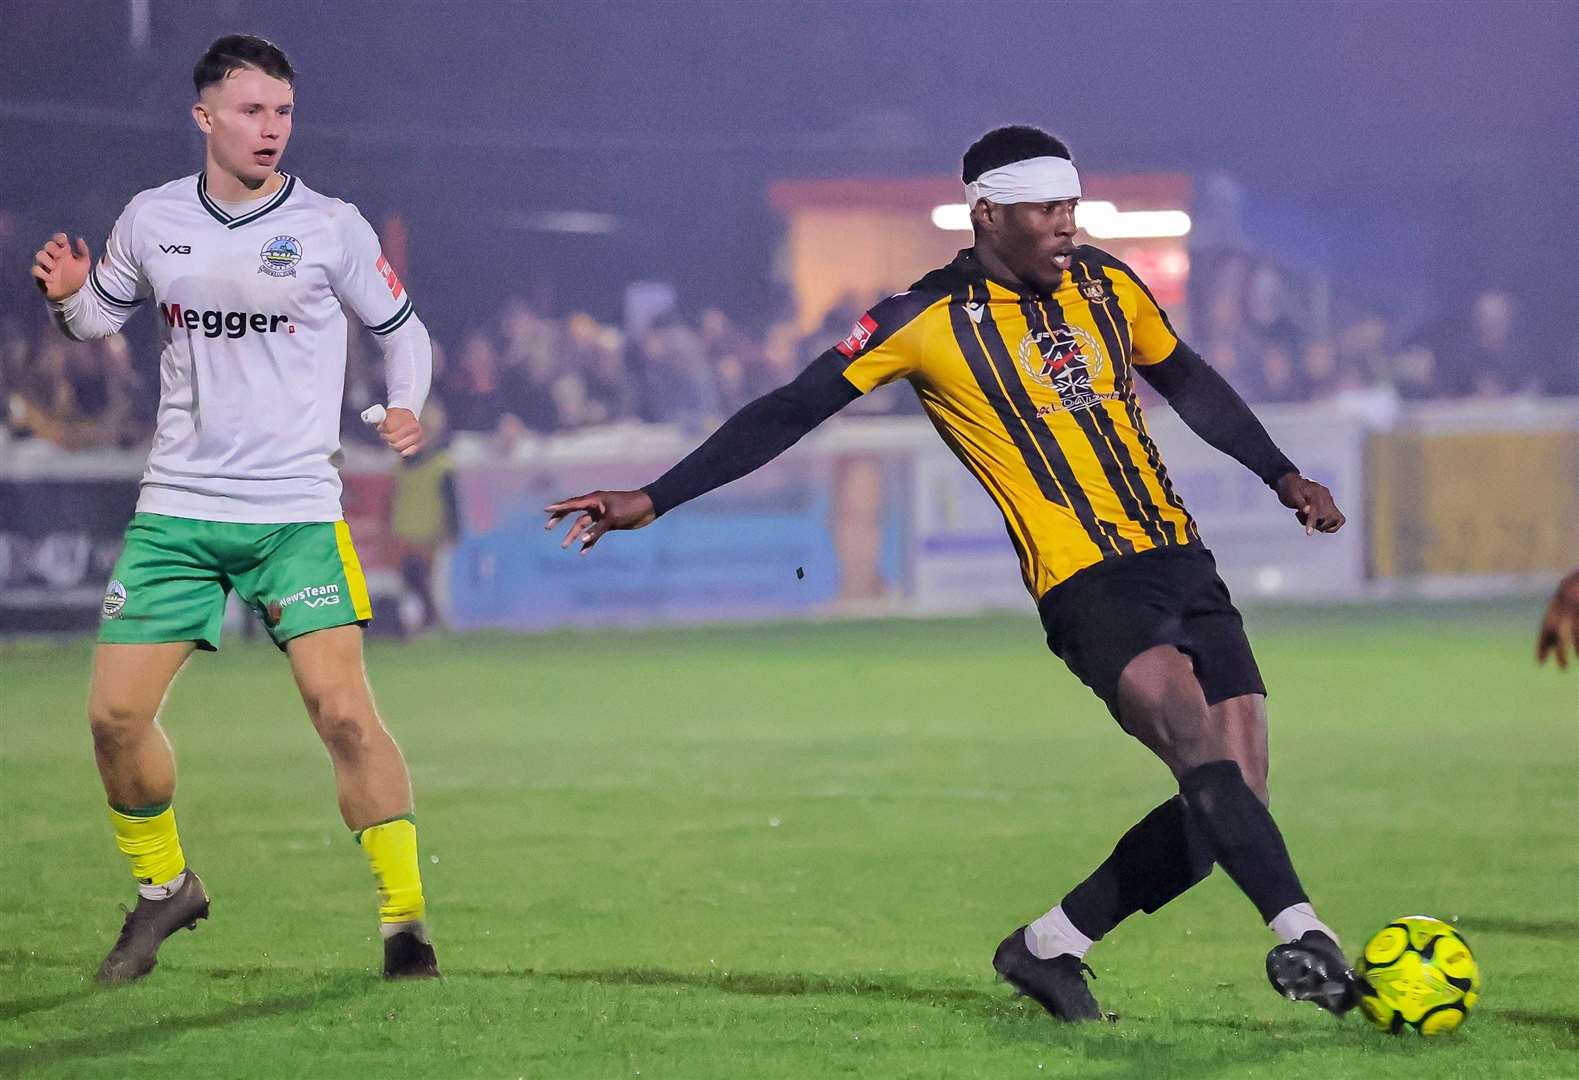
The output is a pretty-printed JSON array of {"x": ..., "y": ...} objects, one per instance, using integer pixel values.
[{"x": 1039, "y": 179}]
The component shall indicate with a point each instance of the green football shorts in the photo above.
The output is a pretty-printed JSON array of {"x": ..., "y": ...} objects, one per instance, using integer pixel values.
[{"x": 173, "y": 575}]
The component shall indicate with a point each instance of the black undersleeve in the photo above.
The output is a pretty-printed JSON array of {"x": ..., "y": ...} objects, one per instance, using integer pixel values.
[
  {"x": 757, "y": 434},
  {"x": 1215, "y": 411}
]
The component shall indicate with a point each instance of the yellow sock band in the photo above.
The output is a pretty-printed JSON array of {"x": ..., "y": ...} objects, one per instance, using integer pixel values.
[
  {"x": 146, "y": 835},
  {"x": 392, "y": 852}
]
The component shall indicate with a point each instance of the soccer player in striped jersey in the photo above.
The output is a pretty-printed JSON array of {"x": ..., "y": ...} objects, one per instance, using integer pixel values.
[
  {"x": 253, "y": 273},
  {"x": 1023, "y": 351}
]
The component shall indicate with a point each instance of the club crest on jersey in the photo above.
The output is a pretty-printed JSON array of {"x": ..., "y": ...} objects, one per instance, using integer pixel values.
[
  {"x": 1094, "y": 291},
  {"x": 1065, "y": 358},
  {"x": 860, "y": 334},
  {"x": 114, "y": 599},
  {"x": 280, "y": 256}
]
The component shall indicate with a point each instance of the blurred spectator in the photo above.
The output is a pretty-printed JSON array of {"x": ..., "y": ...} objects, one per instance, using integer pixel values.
[
  {"x": 680, "y": 387},
  {"x": 79, "y": 396},
  {"x": 423, "y": 518},
  {"x": 597, "y": 353},
  {"x": 473, "y": 395}
]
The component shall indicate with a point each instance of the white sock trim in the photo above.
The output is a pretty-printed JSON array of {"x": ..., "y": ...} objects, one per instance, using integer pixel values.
[
  {"x": 1054, "y": 935},
  {"x": 1294, "y": 922},
  {"x": 387, "y": 930},
  {"x": 162, "y": 891}
]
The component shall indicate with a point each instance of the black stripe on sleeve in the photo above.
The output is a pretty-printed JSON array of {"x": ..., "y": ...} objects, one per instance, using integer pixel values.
[
  {"x": 395, "y": 321},
  {"x": 104, "y": 294}
]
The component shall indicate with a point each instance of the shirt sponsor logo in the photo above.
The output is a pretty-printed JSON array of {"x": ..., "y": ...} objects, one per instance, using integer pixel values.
[
  {"x": 176, "y": 249},
  {"x": 1065, "y": 359},
  {"x": 280, "y": 256},
  {"x": 114, "y": 599},
  {"x": 231, "y": 324},
  {"x": 860, "y": 334}
]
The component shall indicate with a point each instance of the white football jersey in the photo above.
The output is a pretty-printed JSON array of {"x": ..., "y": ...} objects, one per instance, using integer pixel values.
[{"x": 251, "y": 310}]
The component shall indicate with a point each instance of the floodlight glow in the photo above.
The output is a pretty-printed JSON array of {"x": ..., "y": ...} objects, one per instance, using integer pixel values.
[
  {"x": 1134, "y": 224},
  {"x": 952, "y": 216}
]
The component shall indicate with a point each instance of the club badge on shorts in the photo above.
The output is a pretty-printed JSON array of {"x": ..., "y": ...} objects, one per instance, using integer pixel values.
[{"x": 114, "y": 599}]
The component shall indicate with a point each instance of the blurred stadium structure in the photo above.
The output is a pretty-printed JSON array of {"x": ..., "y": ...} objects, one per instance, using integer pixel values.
[{"x": 648, "y": 215}]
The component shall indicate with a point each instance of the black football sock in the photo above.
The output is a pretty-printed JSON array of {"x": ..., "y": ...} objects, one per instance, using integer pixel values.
[
  {"x": 1242, "y": 836},
  {"x": 1160, "y": 858}
]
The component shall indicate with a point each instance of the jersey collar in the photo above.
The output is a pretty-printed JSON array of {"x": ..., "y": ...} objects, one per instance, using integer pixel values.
[
  {"x": 218, "y": 213},
  {"x": 966, "y": 263}
]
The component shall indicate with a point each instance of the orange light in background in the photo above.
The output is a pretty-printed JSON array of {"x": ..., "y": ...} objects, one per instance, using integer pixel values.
[{"x": 858, "y": 239}]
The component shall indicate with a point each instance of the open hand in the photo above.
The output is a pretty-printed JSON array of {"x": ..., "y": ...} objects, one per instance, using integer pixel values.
[
  {"x": 1311, "y": 502},
  {"x": 59, "y": 268},
  {"x": 1560, "y": 629},
  {"x": 401, "y": 431},
  {"x": 599, "y": 512}
]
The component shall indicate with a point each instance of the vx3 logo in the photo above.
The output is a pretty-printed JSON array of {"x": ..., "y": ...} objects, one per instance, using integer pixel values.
[{"x": 176, "y": 249}]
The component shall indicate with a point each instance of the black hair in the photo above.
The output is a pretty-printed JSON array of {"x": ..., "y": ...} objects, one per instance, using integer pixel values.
[
  {"x": 235, "y": 51},
  {"x": 1006, "y": 145}
]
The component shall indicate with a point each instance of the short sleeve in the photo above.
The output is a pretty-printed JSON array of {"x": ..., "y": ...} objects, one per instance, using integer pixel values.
[
  {"x": 117, "y": 278},
  {"x": 365, "y": 282},
  {"x": 1150, "y": 331},
  {"x": 884, "y": 344}
]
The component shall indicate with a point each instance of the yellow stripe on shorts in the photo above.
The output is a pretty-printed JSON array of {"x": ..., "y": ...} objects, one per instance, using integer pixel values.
[{"x": 353, "y": 571}]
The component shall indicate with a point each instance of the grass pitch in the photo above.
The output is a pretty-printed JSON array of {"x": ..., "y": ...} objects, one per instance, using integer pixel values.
[{"x": 789, "y": 851}]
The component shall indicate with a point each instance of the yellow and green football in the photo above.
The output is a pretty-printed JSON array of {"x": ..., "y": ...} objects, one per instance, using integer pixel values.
[{"x": 1425, "y": 977}]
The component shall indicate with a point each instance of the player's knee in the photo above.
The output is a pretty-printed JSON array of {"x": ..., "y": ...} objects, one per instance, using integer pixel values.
[
  {"x": 1254, "y": 767},
  {"x": 344, "y": 723},
  {"x": 115, "y": 725}
]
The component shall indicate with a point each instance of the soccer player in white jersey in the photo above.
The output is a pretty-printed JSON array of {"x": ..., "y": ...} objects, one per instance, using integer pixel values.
[{"x": 253, "y": 274}]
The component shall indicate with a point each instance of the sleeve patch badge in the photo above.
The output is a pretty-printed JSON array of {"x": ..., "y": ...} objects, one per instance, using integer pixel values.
[
  {"x": 391, "y": 278},
  {"x": 860, "y": 334}
]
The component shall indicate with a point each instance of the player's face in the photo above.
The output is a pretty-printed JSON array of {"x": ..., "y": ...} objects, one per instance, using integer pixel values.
[
  {"x": 1034, "y": 240},
  {"x": 247, "y": 118}
]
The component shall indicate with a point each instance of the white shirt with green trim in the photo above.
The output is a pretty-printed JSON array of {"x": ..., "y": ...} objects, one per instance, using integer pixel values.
[{"x": 252, "y": 314}]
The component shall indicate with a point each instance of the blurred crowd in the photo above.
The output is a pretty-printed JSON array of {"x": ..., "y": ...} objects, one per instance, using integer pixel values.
[{"x": 527, "y": 373}]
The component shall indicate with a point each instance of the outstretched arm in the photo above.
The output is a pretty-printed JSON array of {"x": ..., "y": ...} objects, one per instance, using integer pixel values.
[
  {"x": 754, "y": 436},
  {"x": 1214, "y": 411},
  {"x": 1559, "y": 633}
]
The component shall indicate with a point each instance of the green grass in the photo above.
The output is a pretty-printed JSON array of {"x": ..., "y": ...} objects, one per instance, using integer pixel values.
[{"x": 789, "y": 851}]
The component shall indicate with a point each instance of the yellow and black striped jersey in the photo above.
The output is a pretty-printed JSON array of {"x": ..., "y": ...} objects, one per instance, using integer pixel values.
[{"x": 1035, "y": 394}]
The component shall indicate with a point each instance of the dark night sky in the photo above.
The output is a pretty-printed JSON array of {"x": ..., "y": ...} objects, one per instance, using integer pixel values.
[{"x": 1454, "y": 123}]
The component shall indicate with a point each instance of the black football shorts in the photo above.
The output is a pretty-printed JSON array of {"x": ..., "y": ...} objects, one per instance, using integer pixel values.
[{"x": 1111, "y": 612}]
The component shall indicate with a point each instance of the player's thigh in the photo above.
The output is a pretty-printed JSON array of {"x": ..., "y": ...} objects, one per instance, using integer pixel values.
[
  {"x": 129, "y": 684},
  {"x": 1160, "y": 703},
  {"x": 167, "y": 586},
  {"x": 330, "y": 672}
]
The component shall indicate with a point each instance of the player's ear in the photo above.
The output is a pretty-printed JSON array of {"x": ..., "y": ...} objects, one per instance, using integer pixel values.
[
  {"x": 200, "y": 117},
  {"x": 983, "y": 216}
]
